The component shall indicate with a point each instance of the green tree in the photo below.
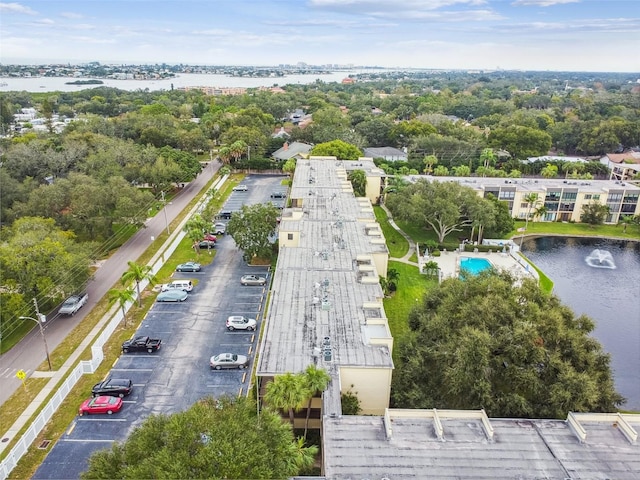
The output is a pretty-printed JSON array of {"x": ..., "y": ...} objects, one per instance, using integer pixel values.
[
  {"x": 122, "y": 297},
  {"x": 251, "y": 228},
  {"x": 289, "y": 166},
  {"x": 358, "y": 179},
  {"x": 540, "y": 212},
  {"x": 442, "y": 206},
  {"x": 594, "y": 213},
  {"x": 204, "y": 442},
  {"x": 350, "y": 403},
  {"x": 196, "y": 227},
  {"x": 462, "y": 171},
  {"x": 138, "y": 273},
  {"x": 337, "y": 148},
  {"x": 429, "y": 162},
  {"x": 521, "y": 142},
  {"x": 490, "y": 342},
  {"x": 532, "y": 200},
  {"x": 549, "y": 171},
  {"x": 288, "y": 392},
  {"x": 316, "y": 380}
]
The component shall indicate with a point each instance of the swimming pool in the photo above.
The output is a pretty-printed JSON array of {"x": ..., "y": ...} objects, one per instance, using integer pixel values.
[{"x": 474, "y": 265}]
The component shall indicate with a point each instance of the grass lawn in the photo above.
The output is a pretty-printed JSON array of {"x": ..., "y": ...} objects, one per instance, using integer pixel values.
[
  {"x": 578, "y": 230},
  {"x": 396, "y": 243},
  {"x": 411, "y": 287}
]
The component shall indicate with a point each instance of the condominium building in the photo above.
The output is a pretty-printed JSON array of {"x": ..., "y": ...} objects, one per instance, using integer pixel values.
[
  {"x": 563, "y": 199},
  {"x": 325, "y": 304},
  {"x": 325, "y": 309}
]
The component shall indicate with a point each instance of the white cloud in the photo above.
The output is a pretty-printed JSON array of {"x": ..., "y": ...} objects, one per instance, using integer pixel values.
[
  {"x": 543, "y": 3},
  {"x": 16, "y": 8},
  {"x": 71, "y": 15}
]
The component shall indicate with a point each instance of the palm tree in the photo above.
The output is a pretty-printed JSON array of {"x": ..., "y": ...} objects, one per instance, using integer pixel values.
[
  {"x": 287, "y": 392},
  {"x": 531, "y": 199},
  {"x": 122, "y": 297},
  {"x": 429, "y": 161},
  {"x": 224, "y": 154},
  {"x": 541, "y": 211},
  {"x": 316, "y": 380},
  {"x": 137, "y": 273},
  {"x": 392, "y": 279}
]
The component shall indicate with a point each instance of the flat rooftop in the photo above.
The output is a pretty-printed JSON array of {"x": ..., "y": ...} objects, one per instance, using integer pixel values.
[
  {"x": 326, "y": 288},
  {"x": 534, "y": 184},
  {"x": 462, "y": 445}
]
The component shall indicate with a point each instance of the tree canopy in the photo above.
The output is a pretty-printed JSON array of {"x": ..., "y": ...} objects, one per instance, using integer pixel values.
[
  {"x": 488, "y": 342},
  {"x": 216, "y": 439},
  {"x": 251, "y": 228},
  {"x": 337, "y": 148},
  {"x": 444, "y": 207}
]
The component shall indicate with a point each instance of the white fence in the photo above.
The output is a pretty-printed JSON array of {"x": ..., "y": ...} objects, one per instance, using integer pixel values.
[{"x": 97, "y": 355}]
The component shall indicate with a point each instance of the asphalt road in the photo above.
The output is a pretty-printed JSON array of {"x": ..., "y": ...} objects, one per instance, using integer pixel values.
[
  {"x": 29, "y": 353},
  {"x": 178, "y": 375}
]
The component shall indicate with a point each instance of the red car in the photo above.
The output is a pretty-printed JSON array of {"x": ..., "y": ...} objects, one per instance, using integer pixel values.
[
  {"x": 210, "y": 237},
  {"x": 101, "y": 404}
]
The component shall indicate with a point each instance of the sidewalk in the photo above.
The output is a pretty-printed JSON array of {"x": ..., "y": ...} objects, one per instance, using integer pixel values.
[{"x": 412, "y": 244}]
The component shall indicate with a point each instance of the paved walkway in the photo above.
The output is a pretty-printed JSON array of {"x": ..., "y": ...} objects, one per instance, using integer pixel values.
[{"x": 412, "y": 244}]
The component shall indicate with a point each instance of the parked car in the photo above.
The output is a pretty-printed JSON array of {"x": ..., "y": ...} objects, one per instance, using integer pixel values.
[
  {"x": 238, "y": 322},
  {"x": 114, "y": 387},
  {"x": 189, "y": 267},
  {"x": 228, "y": 360},
  {"x": 74, "y": 303},
  {"x": 226, "y": 214},
  {"x": 252, "y": 280},
  {"x": 278, "y": 194},
  {"x": 220, "y": 228},
  {"x": 172, "y": 296},
  {"x": 240, "y": 188},
  {"x": 186, "y": 285},
  {"x": 279, "y": 204},
  {"x": 139, "y": 344},
  {"x": 206, "y": 244},
  {"x": 102, "y": 404},
  {"x": 210, "y": 236}
]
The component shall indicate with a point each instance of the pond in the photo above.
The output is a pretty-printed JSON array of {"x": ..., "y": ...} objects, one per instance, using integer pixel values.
[{"x": 610, "y": 296}]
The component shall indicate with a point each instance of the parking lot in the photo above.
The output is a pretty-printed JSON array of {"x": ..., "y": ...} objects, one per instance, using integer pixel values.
[{"x": 173, "y": 378}]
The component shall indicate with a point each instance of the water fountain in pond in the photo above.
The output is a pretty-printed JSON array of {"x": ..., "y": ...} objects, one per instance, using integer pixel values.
[{"x": 600, "y": 259}]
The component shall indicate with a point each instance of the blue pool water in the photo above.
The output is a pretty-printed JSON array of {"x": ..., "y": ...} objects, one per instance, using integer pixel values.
[{"x": 474, "y": 265}]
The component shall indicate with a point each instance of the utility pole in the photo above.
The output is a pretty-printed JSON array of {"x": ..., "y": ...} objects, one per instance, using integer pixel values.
[
  {"x": 164, "y": 208},
  {"x": 40, "y": 319}
]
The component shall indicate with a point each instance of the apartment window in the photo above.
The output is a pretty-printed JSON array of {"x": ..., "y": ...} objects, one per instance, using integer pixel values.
[{"x": 289, "y": 236}]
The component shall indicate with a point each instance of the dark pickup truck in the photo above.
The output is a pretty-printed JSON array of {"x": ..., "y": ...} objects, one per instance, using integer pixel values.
[{"x": 139, "y": 344}]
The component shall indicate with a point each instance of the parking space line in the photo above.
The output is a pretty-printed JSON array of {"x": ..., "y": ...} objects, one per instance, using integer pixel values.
[
  {"x": 234, "y": 344},
  {"x": 86, "y": 440},
  {"x": 73, "y": 425},
  {"x": 250, "y": 349},
  {"x": 139, "y": 384},
  {"x": 132, "y": 369},
  {"x": 102, "y": 420},
  {"x": 129, "y": 401}
]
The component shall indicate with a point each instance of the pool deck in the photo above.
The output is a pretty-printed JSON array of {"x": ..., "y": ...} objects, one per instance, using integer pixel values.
[{"x": 449, "y": 263}]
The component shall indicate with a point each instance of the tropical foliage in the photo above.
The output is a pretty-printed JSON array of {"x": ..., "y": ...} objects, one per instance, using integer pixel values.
[
  {"x": 215, "y": 438},
  {"x": 487, "y": 342}
]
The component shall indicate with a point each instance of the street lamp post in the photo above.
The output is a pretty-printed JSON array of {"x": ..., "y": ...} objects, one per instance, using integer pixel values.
[
  {"x": 42, "y": 319},
  {"x": 164, "y": 208}
]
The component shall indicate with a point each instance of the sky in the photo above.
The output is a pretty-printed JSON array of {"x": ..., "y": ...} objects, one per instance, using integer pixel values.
[{"x": 560, "y": 35}]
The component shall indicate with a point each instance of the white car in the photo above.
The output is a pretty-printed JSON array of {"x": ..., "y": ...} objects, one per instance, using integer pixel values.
[
  {"x": 228, "y": 360},
  {"x": 219, "y": 228},
  {"x": 240, "y": 188},
  {"x": 252, "y": 280},
  {"x": 238, "y": 322}
]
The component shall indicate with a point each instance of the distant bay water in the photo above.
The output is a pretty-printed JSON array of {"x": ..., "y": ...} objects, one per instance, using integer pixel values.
[
  {"x": 611, "y": 297},
  {"x": 59, "y": 84}
]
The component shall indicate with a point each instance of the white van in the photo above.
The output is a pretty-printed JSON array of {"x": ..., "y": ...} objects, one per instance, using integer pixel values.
[{"x": 185, "y": 285}]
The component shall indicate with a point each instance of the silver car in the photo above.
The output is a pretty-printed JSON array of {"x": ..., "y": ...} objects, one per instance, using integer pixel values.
[
  {"x": 228, "y": 360},
  {"x": 252, "y": 280},
  {"x": 238, "y": 322}
]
